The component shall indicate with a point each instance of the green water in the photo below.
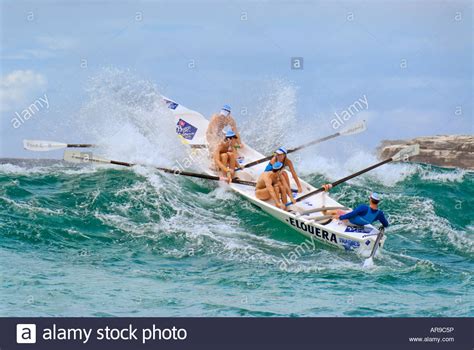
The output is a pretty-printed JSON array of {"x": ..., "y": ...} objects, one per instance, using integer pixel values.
[{"x": 111, "y": 242}]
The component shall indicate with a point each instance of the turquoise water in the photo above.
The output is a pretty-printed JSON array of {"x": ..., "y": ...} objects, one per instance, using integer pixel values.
[{"x": 82, "y": 241}]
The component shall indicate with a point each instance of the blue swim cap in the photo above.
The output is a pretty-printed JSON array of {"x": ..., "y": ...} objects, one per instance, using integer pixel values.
[
  {"x": 281, "y": 150},
  {"x": 226, "y": 108},
  {"x": 230, "y": 134},
  {"x": 375, "y": 196},
  {"x": 277, "y": 166}
]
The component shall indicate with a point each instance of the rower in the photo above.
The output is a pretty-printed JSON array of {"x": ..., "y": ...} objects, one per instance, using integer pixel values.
[
  {"x": 364, "y": 214},
  {"x": 280, "y": 155},
  {"x": 217, "y": 124},
  {"x": 270, "y": 185},
  {"x": 225, "y": 155}
]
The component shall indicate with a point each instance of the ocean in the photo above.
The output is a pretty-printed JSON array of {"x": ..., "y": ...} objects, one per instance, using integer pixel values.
[{"x": 79, "y": 240}]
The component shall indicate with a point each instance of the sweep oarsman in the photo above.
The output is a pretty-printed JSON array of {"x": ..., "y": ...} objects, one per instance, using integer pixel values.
[{"x": 362, "y": 215}]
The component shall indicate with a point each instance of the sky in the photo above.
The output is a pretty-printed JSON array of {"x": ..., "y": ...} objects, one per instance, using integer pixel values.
[{"x": 412, "y": 61}]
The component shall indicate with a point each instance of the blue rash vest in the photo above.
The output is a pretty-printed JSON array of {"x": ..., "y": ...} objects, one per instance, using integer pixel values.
[
  {"x": 364, "y": 215},
  {"x": 269, "y": 166}
]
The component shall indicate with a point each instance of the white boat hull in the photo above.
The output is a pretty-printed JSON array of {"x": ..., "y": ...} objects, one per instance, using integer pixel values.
[
  {"x": 334, "y": 233},
  {"x": 192, "y": 127}
]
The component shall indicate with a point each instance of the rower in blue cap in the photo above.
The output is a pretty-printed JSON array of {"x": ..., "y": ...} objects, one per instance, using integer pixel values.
[
  {"x": 271, "y": 185},
  {"x": 364, "y": 214},
  {"x": 225, "y": 155},
  {"x": 280, "y": 155},
  {"x": 219, "y": 124}
]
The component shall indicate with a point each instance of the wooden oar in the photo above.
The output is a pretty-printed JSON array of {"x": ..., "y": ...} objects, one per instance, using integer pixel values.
[
  {"x": 43, "y": 146},
  {"x": 369, "y": 262},
  {"x": 351, "y": 130},
  {"x": 403, "y": 154},
  {"x": 83, "y": 157}
]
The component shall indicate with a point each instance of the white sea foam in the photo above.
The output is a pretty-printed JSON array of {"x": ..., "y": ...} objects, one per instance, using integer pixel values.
[
  {"x": 59, "y": 168},
  {"x": 334, "y": 168},
  {"x": 442, "y": 175},
  {"x": 272, "y": 124},
  {"x": 13, "y": 169},
  {"x": 127, "y": 117},
  {"x": 209, "y": 231},
  {"x": 32, "y": 207}
]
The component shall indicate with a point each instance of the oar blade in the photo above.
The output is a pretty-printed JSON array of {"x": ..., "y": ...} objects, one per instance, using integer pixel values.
[
  {"x": 355, "y": 128},
  {"x": 368, "y": 263},
  {"x": 74, "y": 157},
  {"x": 43, "y": 146},
  {"x": 83, "y": 157},
  {"x": 406, "y": 153}
]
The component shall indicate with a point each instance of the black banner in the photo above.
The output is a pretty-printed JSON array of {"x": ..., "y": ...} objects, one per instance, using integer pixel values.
[{"x": 236, "y": 333}]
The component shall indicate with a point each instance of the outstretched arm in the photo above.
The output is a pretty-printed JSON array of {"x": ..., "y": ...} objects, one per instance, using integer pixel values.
[
  {"x": 360, "y": 210},
  {"x": 233, "y": 125},
  {"x": 295, "y": 177},
  {"x": 382, "y": 219}
]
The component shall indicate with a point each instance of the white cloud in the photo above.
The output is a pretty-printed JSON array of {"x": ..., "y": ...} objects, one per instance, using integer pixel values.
[
  {"x": 38, "y": 53},
  {"x": 47, "y": 47},
  {"x": 56, "y": 43},
  {"x": 19, "y": 87}
]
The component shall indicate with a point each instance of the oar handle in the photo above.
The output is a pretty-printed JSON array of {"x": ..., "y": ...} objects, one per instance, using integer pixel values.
[
  {"x": 205, "y": 176},
  {"x": 242, "y": 182},
  {"x": 258, "y": 161},
  {"x": 69, "y": 155},
  {"x": 80, "y": 145},
  {"x": 115, "y": 162},
  {"x": 189, "y": 174}
]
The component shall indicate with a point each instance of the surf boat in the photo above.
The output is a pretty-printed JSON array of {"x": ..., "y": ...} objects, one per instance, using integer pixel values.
[{"x": 307, "y": 217}]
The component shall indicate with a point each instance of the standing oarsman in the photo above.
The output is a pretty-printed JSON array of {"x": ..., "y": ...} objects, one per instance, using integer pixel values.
[
  {"x": 215, "y": 129},
  {"x": 225, "y": 155},
  {"x": 270, "y": 185},
  {"x": 280, "y": 155},
  {"x": 363, "y": 214}
]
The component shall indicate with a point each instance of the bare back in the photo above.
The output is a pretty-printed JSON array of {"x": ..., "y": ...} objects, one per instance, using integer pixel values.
[
  {"x": 266, "y": 177},
  {"x": 214, "y": 133}
]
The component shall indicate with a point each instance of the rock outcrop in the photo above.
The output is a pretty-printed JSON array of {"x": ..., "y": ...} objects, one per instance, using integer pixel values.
[{"x": 441, "y": 150}]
